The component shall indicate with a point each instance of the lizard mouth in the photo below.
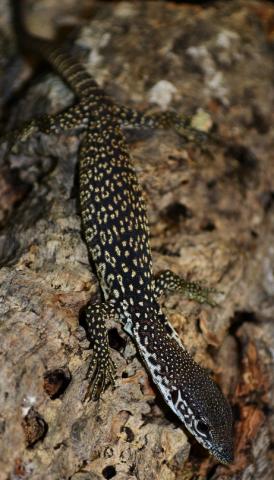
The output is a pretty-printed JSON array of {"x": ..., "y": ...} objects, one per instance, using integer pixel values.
[{"x": 224, "y": 456}]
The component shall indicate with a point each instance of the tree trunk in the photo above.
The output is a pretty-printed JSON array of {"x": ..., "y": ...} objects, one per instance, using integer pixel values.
[{"x": 211, "y": 215}]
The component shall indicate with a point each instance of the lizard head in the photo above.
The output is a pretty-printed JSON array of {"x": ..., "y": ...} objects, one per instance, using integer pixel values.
[
  {"x": 204, "y": 411},
  {"x": 187, "y": 388}
]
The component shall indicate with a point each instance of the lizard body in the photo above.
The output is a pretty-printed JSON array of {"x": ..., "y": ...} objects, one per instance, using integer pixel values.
[{"x": 116, "y": 232}]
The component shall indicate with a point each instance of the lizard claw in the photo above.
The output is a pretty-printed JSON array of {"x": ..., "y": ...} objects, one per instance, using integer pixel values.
[
  {"x": 201, "y": 294},
  {"x": 100, "y": 373},
  {"x": 190, "y": 134},
  {"x": 28, "y": 131},
  {"x": 22, "y": 134}
]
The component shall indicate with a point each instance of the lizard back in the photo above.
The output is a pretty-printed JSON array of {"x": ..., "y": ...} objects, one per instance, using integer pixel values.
[{"x": 114, "y": 215}]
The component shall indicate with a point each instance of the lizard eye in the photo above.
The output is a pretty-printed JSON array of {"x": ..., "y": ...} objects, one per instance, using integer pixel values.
[{"x": 202, "y": 427}]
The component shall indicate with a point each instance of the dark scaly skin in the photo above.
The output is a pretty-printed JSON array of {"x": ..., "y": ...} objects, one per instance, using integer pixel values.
[{"x": 117, "y": 236}]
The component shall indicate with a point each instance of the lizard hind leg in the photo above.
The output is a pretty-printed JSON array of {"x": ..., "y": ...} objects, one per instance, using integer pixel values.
[
  {"x": 169, "y": 281},
  {"x": 101, "y": 369}
]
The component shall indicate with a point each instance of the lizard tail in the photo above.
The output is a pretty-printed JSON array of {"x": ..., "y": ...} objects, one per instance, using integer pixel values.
[{"x": 72, "y": 72}]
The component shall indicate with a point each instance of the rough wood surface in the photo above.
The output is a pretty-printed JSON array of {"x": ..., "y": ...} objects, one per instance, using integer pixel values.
[{"x": 211, "y": 214}]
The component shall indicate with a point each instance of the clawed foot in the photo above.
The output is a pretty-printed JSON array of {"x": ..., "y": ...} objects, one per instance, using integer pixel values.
[
  {"x": 197, "y": 292},
  {"x": 170, "y": 281},
  {"x": 185, "y": 126},
  {"x": 191, "y": 135},
  {"x": 21, "y": 135},
  {"x": 100, "y": 373},
  {"x": 192, "y": 128},
  {"x": 27, "y": 131}
]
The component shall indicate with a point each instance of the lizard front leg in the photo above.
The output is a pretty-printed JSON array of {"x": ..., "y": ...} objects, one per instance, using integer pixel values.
[{"x": 101, "y": 369}]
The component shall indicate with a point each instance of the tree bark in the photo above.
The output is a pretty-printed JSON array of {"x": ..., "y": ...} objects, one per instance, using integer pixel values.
[{"x": 211, "y": 215}]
